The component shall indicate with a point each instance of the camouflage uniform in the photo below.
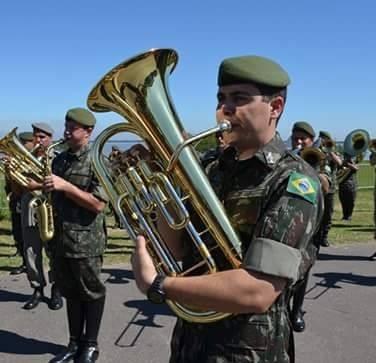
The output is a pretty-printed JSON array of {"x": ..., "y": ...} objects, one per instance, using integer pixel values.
[
  {"x": 273, "y": 201},
  {"x": 326, "y": 223},
  {"x": 80, "y": 234},
  {"x": 347, "y": 192},
  {"x": 373, "y": 162},
  {"x": 15, "y": 192}
]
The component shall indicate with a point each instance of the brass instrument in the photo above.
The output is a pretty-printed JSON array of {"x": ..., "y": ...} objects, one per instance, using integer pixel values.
[
  {"x": 355, "y": 144},
  {"x": 137, "y": 89},
  {"x": 314, "y": 156},
  {"x": 21, "y": 166},
  {"x": 42, "y": 202},
  {"x": 22, "y": 163},
  {"x": 327, "y": 145}
]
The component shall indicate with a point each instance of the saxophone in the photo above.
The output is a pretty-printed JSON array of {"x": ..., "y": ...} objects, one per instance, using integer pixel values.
[{"x": 42, "y": 202}]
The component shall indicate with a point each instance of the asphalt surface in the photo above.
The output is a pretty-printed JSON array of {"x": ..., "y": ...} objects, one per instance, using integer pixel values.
[{"x": 340, "y": 305}]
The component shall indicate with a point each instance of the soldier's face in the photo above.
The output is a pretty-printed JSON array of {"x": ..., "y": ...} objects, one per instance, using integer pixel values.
[
  {"x": 301, "y": 139},
  {"x": 76, "y": 135},
  {"x": 42, "y": 138},
  {"x": 253, "y": 119}
]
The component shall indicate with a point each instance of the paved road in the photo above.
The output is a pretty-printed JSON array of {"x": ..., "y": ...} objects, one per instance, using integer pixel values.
[{"x": 340, "y": 305}]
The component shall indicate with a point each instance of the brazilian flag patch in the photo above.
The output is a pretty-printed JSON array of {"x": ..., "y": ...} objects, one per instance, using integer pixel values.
[{"x": 304, "y": 186}]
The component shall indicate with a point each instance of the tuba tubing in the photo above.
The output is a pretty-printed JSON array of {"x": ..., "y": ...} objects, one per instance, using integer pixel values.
[{"x": 137, "y": 89}]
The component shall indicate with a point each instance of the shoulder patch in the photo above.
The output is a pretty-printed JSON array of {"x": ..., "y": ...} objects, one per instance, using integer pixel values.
[{"x": 304, "y": 186}]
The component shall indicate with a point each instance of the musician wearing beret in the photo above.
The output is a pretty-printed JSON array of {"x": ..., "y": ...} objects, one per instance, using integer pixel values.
[
  {"x": 33, "y": 244},
  {"x": 333, "y": 162},
  {"x": 14, "y": 192},
  {"x": 80, "y": 237},
  {"x": 272, "y": 199},
  {"x": 302, "y": 138}
]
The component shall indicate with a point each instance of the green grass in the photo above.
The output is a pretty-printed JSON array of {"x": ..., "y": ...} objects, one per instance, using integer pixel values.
[{"x": 119, "y": 248}]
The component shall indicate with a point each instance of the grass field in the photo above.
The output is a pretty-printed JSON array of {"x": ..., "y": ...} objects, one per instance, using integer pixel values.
[{"x": 119, "y": 249}]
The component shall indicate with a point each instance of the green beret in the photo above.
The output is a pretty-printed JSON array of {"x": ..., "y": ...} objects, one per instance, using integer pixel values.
[
  {"x": 252, "y": 69},
  {"x": 81, "y": 115},
  {"x": 305, "y": 127},
  {"x": 325, "y": 134},
  {"x": 42, "y": 126},
  {"x": 26, "y": 136}
]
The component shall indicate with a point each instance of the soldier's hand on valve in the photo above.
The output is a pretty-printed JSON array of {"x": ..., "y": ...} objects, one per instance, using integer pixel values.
[{"x": 54, "y": 182}]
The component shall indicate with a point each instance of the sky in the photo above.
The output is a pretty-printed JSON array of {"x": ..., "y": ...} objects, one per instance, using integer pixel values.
[{"x": 54, "y": 52}]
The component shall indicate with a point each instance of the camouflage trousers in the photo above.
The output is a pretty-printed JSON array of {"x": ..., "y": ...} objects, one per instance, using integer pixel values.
[
  {"x": 347, "y": 196},
  {"x": 326, "y": 222},
  {"x": 79, "y": 278}
]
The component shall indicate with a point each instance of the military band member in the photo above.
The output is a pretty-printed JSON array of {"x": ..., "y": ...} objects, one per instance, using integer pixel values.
[
  {"x": 33, "y": 245},
  {"x": 373, "y": 162},
  {"x": 80, "y": 237},
  {"x": 333, "y": 162},
  {"x": 275, "y": 218},
  {"x": 14, "y": 193},
  {"x": 347, "y": 188},
  {"x": 302, "y": 137}
]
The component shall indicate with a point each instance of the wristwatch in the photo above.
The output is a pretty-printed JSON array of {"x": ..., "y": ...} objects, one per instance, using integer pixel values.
[{"x": 155, "y": 292}]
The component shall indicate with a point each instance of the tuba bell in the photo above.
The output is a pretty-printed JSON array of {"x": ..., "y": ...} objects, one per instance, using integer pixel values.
[
  {"x": 23, "y": 165},
  {"x": 355, "y": 144},
  {"x": 137, "y": 89}
]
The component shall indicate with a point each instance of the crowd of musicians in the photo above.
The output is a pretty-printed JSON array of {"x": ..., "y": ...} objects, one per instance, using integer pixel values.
[{"x": 279, "y": 200}]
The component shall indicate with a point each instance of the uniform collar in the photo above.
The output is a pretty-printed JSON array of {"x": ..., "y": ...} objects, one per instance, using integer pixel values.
[
  {"x": 270, "y": 153},
  {"x": 79, "y": 153}
]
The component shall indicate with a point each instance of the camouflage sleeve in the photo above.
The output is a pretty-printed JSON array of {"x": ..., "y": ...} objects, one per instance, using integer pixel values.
[
  {"x": 98, "y": 191},
  {"x": 284, "y": 232}
]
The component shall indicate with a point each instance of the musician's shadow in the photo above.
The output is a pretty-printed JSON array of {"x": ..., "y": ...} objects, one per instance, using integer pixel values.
[
  {"x": 331, "y": 280},
  {"x": 145, "y": 313},
  {"x": 118, "y": 275},
  {"x": 13, "y": 343},
  {"x": 149, "y": 311},
  {"x": 12, "y": 296}
]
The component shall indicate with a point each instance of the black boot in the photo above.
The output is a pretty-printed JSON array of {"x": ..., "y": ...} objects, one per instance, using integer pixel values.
[
  {"x": 56, "y": 301},
  {"x": 18, "y": 270},
  {"x": 68, "y": 354},
  {"x": 34, "y": 300},
  {"x": 297, "y": 321},
  {"x": 325, "y": 243},
  {"x": 88, "y": 354}
]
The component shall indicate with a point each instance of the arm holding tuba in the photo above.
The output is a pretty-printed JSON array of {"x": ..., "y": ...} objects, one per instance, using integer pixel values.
[
  {"x": 137, "y": 90},
  {"x": 355, "y": 144}
]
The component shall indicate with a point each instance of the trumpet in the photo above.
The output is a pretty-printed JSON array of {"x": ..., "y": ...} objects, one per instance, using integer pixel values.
[
  {"x": 327, "y": 145},
  {"x": 314, "y": 156}
]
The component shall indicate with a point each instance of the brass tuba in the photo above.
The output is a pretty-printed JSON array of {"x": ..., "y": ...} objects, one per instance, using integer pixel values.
[
  {"x": 355, "y": 144},
  {"x": 137, "y": 89},
  {"x": 23, "y": 165}
]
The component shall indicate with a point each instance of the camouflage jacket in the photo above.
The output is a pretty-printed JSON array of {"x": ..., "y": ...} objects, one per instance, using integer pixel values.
[
  {"x": 79, "y": 232},
  {"x": 330, "y": 169},
  {"x": 274, "y": 203}
]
